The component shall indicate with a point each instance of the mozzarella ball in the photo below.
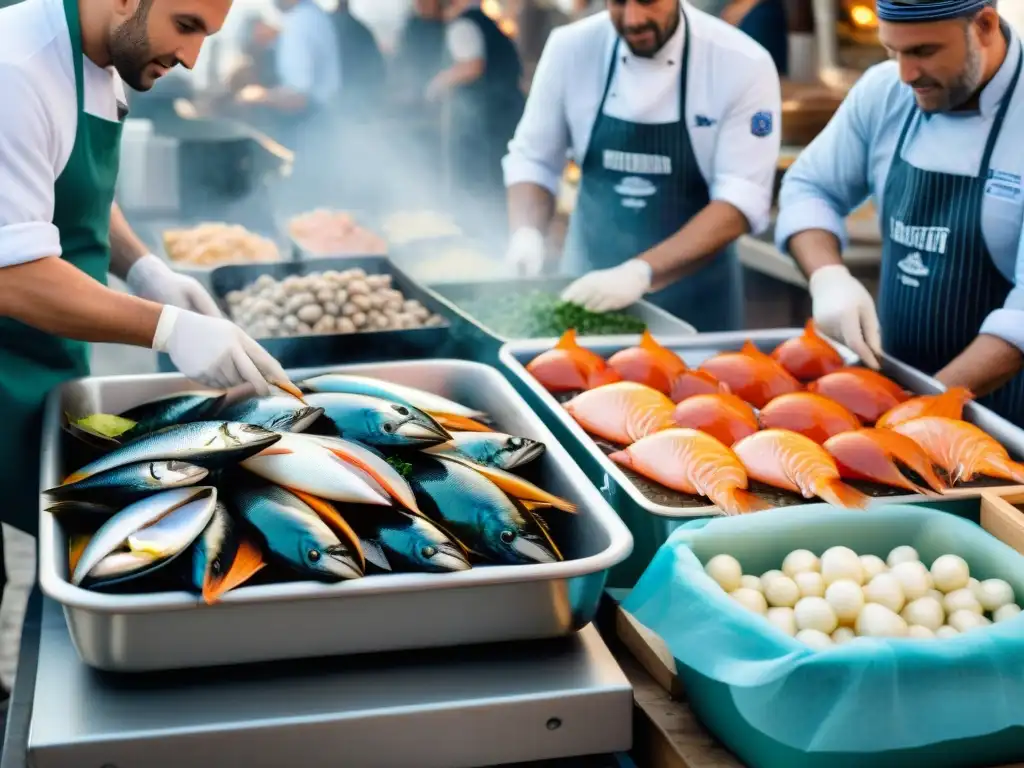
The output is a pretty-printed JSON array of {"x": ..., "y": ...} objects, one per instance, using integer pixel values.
[
  {"x": 878, "y": 621},
  {"x": 846, "y": 599},
  {"x": 936, "y": 594},
  {"x": 946, "y": 631},
  {"x": 841, "y": 563},
  {"x": 783, "y": 619},
  {"x": 902, "y": 555},
  {"x": 782, "y": 592},
  {"x": 810, "y": 584},
  {"x": 843, "y": 635},
  {"x": 917, "y": 632},
  {"x": 872, "y": 565},
  {"x": 962, "y": 600},
  {"x": 924, "y": 612},
  {"x": 726, "y": 571},
  {"x": 800, "y": 561},
  {"x": 815, "y": 613},
  {"x": 768, "y": 576},
  {"x": 950, "y": 573},
  {"x": 815, "y": 639},
  {"x": 751, "y": 582},
  {"x": 750, "y": 599},
  {"x": 885, "y": 590},
  {"x": 993, "y": 594},
  {"x": 1005, "y": 613},
  {"x": 966, "y": 621},
  {"x": 913, "y": 578},
  {"x": 973, "y": 584}
]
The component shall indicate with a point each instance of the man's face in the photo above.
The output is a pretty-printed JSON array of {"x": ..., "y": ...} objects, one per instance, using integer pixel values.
[
  {"x": 150, "y": 37},
  {"x": 942, "y": 61},
  {"x": 428, "y": 9},
  {"x": 645, "y": 25}
]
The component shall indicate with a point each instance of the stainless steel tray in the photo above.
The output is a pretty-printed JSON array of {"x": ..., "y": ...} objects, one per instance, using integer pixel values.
[
  {"x": 377, "y": 613},
  {"x": 637, "y": 499},
  {"x": 481, "y": 342}
]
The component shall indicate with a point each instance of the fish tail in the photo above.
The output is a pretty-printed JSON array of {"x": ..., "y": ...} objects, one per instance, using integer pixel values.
[
  {"x": 247, "y": 563},
  {"x": 737, "y": 501},
  {"x": 459, "y": 423},
  {"x": 74, "y": 477},
  {"x": 568, "y": 340},
  {"x": 1001, "y": 467},
  {"x": 839, "y": 494}
]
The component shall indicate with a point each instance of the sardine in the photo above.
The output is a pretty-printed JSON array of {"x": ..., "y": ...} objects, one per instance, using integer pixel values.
[
  {"x": 210, "y": 444},
  {"x": 125, "y": 483},
  {"x": 176, "y": 530},
  {"x": 224, "y": 557},
  {"x": 492, "y": 449},
  {"x": 172, "y": 410},
  {"x": 349, "y": 384},
  {"x": 303, "y": 465},
  {"x": 276, "y": 413},
  {"x": 294, "y": 534},
  {"x": 402, "y": 543},
  {"x": 113, "y": 534},
  {"x": 380, "y": 423},
  {"x": 478, "y": 514}
]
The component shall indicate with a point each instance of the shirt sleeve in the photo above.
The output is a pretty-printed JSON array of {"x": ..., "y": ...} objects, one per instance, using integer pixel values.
[
  {"x": 465, "y": 41},
  {"x": 27, "y": 232},
  {"x": 1007, "y": 323},
  {"x": 296, "y": 64},
  {"x": 747, "y": 146},
  {"x": 538, "y": 150}
]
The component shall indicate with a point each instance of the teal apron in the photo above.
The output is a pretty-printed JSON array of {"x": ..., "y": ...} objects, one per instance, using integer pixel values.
[
  {"x": 32, "y": 362},
  {"x": 935, "y": 295},
  {"x": 640, "y": 184}
]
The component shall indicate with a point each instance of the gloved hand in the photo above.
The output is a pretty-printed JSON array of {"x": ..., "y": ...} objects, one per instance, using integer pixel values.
[
  {"x": 526, "y": 252},
  {"x": 606, "y": 290},
  {"x": 844, "y": 310},
  {"x": 150, "y": 278},
  {"x": 215, "y": 352}
]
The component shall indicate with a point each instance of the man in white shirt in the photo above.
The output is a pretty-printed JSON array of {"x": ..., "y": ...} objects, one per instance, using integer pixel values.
[{"x": 671, "y": 115}]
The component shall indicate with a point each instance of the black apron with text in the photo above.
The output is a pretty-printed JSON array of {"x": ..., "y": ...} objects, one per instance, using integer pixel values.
[
  {"x": 939, "y": 282},
  {"x": 640, "y": 184}
]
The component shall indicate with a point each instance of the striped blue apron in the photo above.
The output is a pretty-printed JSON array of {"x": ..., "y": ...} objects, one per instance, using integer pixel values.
[{"x": 939, "y": 282}]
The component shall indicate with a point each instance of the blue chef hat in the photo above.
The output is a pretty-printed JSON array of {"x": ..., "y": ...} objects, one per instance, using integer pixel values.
[{"x": 927, "y": 10}]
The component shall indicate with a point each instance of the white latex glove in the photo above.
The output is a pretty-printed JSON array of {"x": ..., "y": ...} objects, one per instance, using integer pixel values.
[
  {"x": 215, "y": 352},
  {"x": 150, "y": 278},
  {"x": 526, "y": 252},
  {"x": 844, "y": 310},
  {"x": 606, "y": 290}
]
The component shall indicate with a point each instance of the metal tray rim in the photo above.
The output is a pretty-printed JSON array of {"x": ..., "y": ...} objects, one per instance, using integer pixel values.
[{"x": 620, "y": 540}]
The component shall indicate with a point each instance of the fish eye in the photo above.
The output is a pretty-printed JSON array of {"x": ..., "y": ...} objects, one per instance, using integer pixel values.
[
  {"x": 388, "y": 427},
  {"x": 428, "y": 552},
  {"x": 313, "y": 555},
  {"x": 507, "y": 537},
  {"x": 516, "y": 442},
  {"x": 216, "y": 566},
  {"x": 401, "y": 410}
]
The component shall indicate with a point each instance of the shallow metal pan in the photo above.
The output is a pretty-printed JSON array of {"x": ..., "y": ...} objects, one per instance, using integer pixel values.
[{"x": 377, "y": 613}]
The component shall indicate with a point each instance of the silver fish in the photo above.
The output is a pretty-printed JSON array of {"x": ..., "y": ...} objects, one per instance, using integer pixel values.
[
  {"x": 492, "y": 449},
  {"x": 349, "y": 384},
  {"x": 172, "y": 410},
  {"x": 131, "y": 481},
  {"x": 122, "y": 566},
  {"x": 176, "y": 530},
  {"x": 278, "y": 413},
  {"x": 379, "y": 423}
]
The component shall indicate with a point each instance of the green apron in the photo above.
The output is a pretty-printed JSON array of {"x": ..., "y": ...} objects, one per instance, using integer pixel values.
[{"x": 32, "y": 363}]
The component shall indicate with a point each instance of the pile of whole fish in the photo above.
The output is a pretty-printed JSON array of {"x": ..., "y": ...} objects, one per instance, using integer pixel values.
[
  {"x": 347, "y": 476},
  {"x": 798, "y": 419}
]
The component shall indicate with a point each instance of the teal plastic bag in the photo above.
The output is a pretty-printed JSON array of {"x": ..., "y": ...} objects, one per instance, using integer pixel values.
[{"x": 870, "y": 695}]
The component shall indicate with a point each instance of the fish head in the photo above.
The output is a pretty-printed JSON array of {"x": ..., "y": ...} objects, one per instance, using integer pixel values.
[
  {"x": 516, "y": 451},
  {"x": 331, "y": 560},
  {"x": 297, "y": 420},
  {"x": 177, "y": 474},
  {"x": 401, "y": 425},
  {"x": 432, "y": 551},
  {"x": 233, "y": 435},
  {"x": 517, "y": 542}
]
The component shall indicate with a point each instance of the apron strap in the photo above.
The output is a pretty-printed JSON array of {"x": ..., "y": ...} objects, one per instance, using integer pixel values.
[
  {"x": 75, "y": 30},
  {"x": 997, "y": 126}
]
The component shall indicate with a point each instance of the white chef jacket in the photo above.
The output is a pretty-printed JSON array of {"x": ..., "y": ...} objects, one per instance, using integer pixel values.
[
  {"x": 732, "y": 84},
  {"x": 464, "y": 39},
  {"x": 38, "y": 122},
  {"x": 308, "y": 58}
]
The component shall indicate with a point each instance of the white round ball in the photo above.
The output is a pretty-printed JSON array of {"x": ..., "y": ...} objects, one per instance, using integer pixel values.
[
  {"x": 917, "y": 632},
  {"x": 814, "y": 638},
  {"x": 815, "y": 613},
  {"x": 750, "y": 599},
  {"x": 878, "y": 621},
  {"x": 946, "y": 631},
  {"x": 1006, "y": 612},
  {"x": 936, "y": 594},
  {"x": 973, "y": 584},
  {"x": 782, "y": 592},
  {"x": 726, "y": 571},
  {"x": 872, "y": 565},
  {"x": 913, "y": 578},
  {"x": 751, "y": 582},
  {"x": 962, "y": 600},
  {"x": 950, "y": 573},
  {"x": 841, "y": 563},
  {"x": 966, "y": 621},
  {"x": 885, "y": 590},
  {"x": 846, "y": 599},
  {"x": 843, "y": 635},
  {"x": 924, "y": 612},
  {"x": 810, "y": 584},
  {"x": 993, "y": 594},
  {"x": 902, "y": 554},
  {"x": 768, "y": 576},
  {"x": 784, "y": 620},
  {"x": 801, "y": 561}
]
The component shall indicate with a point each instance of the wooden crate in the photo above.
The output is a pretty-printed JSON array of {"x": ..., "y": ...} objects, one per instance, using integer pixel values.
[{"x": 1001, "y": 518}]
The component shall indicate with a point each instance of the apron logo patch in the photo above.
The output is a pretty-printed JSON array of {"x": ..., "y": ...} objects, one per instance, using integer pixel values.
[
  {"x": 634, "y": 162},
  {"x": 761, "y": 124},
  {"x": 927, "y": 239},
  {"x": 913, "y": 265},
  {"x": 633, "y": 190},
  {"x": 1006, "y": 186}
]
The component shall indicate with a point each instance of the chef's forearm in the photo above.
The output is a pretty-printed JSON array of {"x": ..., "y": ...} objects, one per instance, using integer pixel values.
[
  {"x": 814, "y": 249},
  {"x": 530, "y": 205},
  {"x": 52, "y": 295},
  {"x": 707, "y": 233},
  {"x": 987, "y": 364},
  {"x": 125, "y": 246},
  {"x": 460, "y": 73}
]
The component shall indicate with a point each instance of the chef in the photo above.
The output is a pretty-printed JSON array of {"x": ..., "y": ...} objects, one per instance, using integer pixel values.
[
  {"x": 61, "y": 68},
  {"x": 933, "y": 136},
  {"x": 672, "y": 117}
]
